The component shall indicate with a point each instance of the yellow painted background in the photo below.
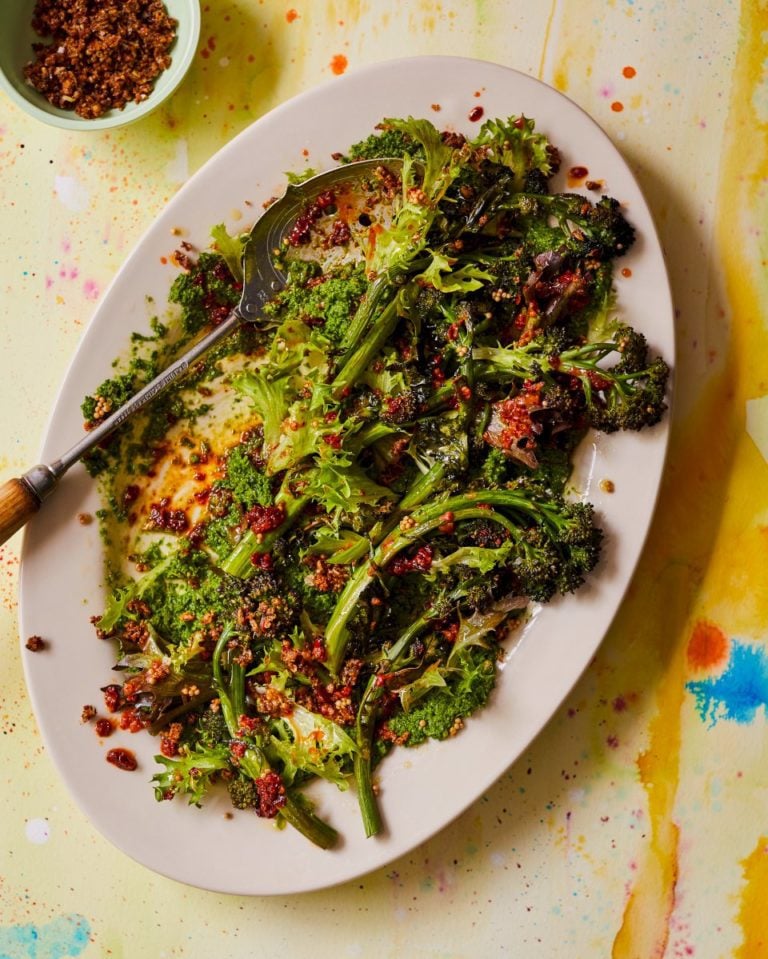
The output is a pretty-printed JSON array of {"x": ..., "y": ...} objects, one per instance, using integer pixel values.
[{"x": 631, "y": 828}]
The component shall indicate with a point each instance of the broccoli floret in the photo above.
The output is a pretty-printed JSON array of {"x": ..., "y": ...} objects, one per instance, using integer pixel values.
[
  {"x": 602, "y": 225},
  {"x": 212, "y": 728},
  {"x": 440, "y": 713},
  {"x": 628, "y": 396},
  {"x": 536, "y": 181},
  {"x": 268, "y": 606},
  {"x": 633, "y": 400},
  {"x": 243, "y": 793},
  {"x": 558, "y": 551},
  {"x": 633, "y": 347},
  {"x": 599, "y": 229},
  {"x": 610, "y": 227}
]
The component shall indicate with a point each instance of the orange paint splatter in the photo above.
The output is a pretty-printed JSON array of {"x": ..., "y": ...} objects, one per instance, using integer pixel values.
[
  {"x": 339, "y": 64},
  {"x": 707, "y": 647},
  {"x": 752, "y": 912},
  {"x": 291, "y": 15},
  {"x": 629, "y": 72},
  {"x": 617, "y": 106}
]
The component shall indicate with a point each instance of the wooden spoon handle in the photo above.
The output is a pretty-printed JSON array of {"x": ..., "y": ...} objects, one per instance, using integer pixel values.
[{"x": 17, "y": 505}]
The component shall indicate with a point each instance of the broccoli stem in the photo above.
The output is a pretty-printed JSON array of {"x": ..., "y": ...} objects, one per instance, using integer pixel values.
[
  {"x": 380, "y": 290},
  {"x": 253, "y": 762},
  {"x": 238, "y": 563},
  {"x": 422, "y": 488},
  {"x": 365, "y": 726},
  {"x": 356, "y": 362},
  {"x": 521, "y": 362},
  {"x": 308, "y": 824},
  {"x": 427, "y": 518}
]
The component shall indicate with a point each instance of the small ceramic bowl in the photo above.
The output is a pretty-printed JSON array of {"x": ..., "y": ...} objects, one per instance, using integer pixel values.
[{"x": 17, "y": 37}]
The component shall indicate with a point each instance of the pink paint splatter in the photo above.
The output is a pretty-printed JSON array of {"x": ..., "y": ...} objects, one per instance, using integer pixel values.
[
  {"x": 91, "y": 290},
  {"x": 606, "y": 90},
  {"x": 66, "y": 245},
  {"x": 48, "y": 282}
]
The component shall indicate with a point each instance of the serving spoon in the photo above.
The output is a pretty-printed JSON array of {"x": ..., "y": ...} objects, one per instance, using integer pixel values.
[{"x": 22, "y": 497}]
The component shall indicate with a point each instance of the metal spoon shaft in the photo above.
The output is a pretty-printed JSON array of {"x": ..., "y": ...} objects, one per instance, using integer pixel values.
[{"x": 21, "y": 498}]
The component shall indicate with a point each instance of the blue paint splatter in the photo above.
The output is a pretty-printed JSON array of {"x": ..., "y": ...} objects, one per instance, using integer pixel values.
[
  {"x": 739, "y": 692},
  {"x": 65, "y": 936}
]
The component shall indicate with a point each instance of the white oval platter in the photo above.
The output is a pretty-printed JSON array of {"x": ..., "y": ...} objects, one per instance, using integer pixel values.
[{"x": 61, "y": 581}]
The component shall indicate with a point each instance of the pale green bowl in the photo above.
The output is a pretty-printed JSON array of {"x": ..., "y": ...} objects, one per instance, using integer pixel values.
[{"x": 17, "y": 37}]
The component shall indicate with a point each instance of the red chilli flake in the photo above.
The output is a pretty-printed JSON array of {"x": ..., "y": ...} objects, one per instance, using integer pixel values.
[
  {"x": 271, "y": 793},
  {"x": 340, "y": 233},
  {"x": 420, "y": 562},
  {"x": 161, "y": 517},
  {"x": 302, "y": 228},
  {"x": 263, "y": 519},
  {"x": 447, "y": 525},
  {"x": 262, "y": 560},
  {"x": 168, "y": 747},
  {"x": 112, "y": 697},
  {"x": 123, "y": 759},
  {"x": 104, "y": 727},
  {"x": 132, "y": 720}
]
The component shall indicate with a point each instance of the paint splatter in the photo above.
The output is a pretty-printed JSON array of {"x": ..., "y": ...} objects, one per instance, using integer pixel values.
[
  {"x": 339, "y": 64},
  {"x": 71, "y": 193},
  {"x": 629, "y": 72},
  {"x": 739, "y": 692},
  {"x": 617, "y": 106},
  {"x": 707, "y": 647},
  {"x": 91, "y": 290},
  {"x": 65, "y": 936},
  {"x": 38, "y": 831},
  {"x": 752, "y": 913},
  {"x": 177, "y": 170},
  {"x": 291, "y": 15}
]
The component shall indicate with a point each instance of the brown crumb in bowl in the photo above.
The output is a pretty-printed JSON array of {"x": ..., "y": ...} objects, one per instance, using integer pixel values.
[
  {"x": 35, "y": 644},
  {"x": 101, "y": 55}
]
